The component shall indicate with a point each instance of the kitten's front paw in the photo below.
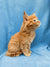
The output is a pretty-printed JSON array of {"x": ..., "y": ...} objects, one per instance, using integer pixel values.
[
  {"x": 28, "y": 54},
  {"x": 29, "y": 51}
]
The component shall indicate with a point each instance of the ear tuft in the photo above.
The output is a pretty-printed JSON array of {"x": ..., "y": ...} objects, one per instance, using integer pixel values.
[
  {"x": 24, "y": 12},
  {"x": 34, "y": 13}
]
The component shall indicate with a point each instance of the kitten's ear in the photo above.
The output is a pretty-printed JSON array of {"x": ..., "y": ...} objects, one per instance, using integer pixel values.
[
  {"x": 34, "y": 13},
  {"x": 25, "y": 16}
]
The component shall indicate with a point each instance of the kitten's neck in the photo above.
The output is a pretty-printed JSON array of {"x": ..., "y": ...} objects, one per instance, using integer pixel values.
[{"x": 29, "y": 32}]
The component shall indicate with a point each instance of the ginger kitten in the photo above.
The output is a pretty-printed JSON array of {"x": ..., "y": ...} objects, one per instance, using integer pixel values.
[{"x": 21, "y": 41}]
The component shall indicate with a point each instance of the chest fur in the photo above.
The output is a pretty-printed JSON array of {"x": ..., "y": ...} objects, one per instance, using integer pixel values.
[{"x": 28, "y": 38}]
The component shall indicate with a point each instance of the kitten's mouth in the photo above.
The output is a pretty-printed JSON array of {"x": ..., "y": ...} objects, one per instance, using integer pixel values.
[{"x": 38, "y": 24}]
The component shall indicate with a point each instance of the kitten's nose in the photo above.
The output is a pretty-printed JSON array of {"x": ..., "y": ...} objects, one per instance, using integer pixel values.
[{"x": 38, "y": 21}]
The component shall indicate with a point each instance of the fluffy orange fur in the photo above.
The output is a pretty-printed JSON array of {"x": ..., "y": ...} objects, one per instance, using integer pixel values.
[{"x": 21, "y": 41}]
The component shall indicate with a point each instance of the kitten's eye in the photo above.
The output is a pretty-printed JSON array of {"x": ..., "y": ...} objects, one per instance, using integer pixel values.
[{"x": 34, "y": 20}]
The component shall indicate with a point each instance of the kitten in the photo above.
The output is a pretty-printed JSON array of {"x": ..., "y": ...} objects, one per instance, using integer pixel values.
[{"x": 21, "y": 41}]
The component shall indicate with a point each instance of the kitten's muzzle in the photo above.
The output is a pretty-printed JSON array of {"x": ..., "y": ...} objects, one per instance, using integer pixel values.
[{"x": 38, "y": 23}]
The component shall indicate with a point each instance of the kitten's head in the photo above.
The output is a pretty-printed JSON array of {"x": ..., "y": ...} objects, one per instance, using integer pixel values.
[{"x": 31, "y": 22}]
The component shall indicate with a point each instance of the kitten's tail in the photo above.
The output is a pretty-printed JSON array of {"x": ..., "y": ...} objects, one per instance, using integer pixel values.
[
  {"x": 12, "y": 54},
  {"x": 8, "y": 53}
]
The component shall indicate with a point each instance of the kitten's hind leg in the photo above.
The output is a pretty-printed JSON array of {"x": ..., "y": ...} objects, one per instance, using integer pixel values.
[{"x": 18, "y": 53}]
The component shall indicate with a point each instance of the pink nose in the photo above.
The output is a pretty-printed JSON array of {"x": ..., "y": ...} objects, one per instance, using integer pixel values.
[{"x": 38, "y": 21}]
